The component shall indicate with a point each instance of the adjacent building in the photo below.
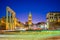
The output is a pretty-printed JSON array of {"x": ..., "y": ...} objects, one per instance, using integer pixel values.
[
  {"x": 53, "y": 20},
  {"x": 42, "y": 25}
]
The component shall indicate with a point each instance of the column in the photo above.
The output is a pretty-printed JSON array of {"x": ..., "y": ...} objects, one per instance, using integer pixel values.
[
  {"x": 10, "y": 19},
  {"x": 6, "y": 18}
]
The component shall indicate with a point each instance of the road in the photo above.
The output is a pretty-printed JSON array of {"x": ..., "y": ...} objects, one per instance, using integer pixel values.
[{"x": 31, "y": 36}]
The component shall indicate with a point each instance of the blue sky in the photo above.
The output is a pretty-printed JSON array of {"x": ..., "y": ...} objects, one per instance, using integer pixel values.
[{"x": 38, "y": 8}]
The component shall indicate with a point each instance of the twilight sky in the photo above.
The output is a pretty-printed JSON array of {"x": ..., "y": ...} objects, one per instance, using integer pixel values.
[{"x": 38, "y": 8}]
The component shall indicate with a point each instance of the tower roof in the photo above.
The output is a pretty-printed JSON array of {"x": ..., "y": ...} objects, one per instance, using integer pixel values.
[{"x": 30, "y": 14}]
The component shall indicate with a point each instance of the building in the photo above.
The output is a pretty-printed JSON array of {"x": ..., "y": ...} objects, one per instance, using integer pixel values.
[
  {"x": 2, "y": 24},
  {"x": 30, "y": 20},
  {"x": 53, "y": 20},
  {"x": 42, "y": 25}
]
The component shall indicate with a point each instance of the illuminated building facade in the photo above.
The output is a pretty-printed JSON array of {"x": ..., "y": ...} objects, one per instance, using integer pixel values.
[
  {"x": 53, "y": 16},
  {"x": 53, "y": 19}
]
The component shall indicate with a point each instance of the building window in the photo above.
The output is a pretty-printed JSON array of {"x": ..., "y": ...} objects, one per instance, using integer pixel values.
[
  {"x": 59, "y": 17},
  {"x": 51, "y": 13},
  {"x": 51, "y": 17}
]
